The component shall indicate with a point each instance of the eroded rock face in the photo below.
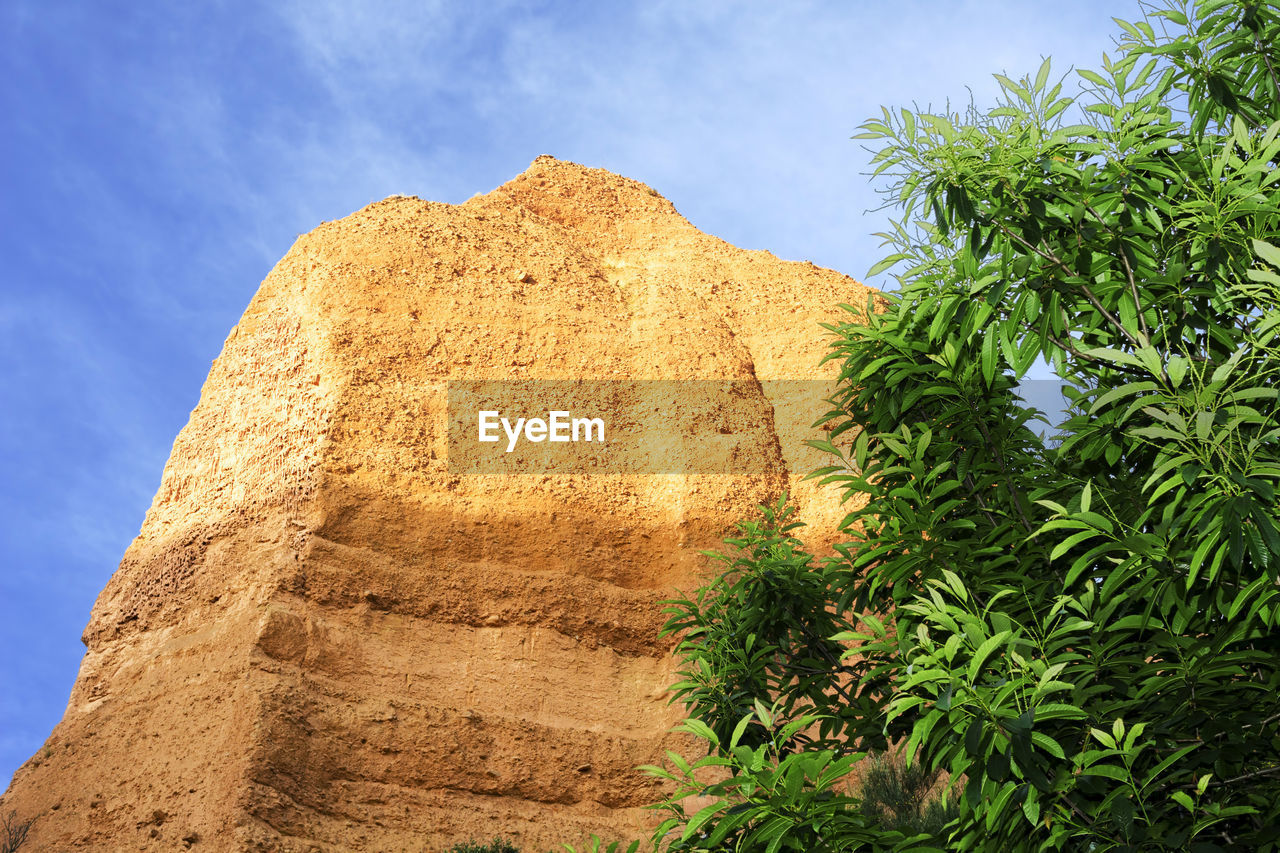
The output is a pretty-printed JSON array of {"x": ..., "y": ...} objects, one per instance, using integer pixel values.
[{"x": 324, "y": 639}]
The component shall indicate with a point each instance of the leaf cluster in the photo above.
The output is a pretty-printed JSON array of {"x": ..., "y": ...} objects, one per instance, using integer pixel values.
[
  {"x": 903, "y": 796},
  {"x": 767, "y": 797},
  {"x": 762, "y": 628},
  {"x": 1082, "y": 635}
]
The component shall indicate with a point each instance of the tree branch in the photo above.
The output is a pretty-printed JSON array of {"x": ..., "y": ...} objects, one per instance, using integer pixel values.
[{"x": 1061, "y": 264}]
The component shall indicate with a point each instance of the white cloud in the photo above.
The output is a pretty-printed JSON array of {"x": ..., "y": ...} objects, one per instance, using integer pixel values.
[{"x": 740, "y": 112}]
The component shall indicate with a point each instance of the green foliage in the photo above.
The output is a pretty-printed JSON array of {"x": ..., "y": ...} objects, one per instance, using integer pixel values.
[
  {"x": 903, "y": 796},
  {"x": 761, "y": 631},
  {"x": 1084, "y": 634},
  {"x": 768, "y": 797},
  {"x": 776, "y": 776}
]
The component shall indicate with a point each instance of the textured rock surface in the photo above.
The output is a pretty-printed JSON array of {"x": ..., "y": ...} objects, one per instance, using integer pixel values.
[{"x": 324, "y": 640}]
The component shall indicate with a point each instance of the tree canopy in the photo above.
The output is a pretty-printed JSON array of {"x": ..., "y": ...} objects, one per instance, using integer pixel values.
[{"x": 1080, "y": 637}]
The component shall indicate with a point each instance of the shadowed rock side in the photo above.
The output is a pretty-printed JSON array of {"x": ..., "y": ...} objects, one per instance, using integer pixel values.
[{"x": 324, "y": 640}]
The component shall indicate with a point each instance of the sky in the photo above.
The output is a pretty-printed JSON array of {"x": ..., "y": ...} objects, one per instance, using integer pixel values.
[{"x": 157, "y": 159}]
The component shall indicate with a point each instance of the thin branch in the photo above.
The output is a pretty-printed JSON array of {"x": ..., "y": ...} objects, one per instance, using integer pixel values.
[
  {"x": 819, "y": 644},
  {"x": 1084, "y": 817},
  {"x": 1128, "y": 270},
  {"x": 982, "y": 505},
  {"x": 1244, "y": 777},
  {"x": 1089, "y": 294},
  {"x": 1264, "y": 723},
  {"x": 1068, "y": 348}
]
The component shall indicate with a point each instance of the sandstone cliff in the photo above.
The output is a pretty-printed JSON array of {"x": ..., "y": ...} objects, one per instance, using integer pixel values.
[{"x": 325, "y": 639}]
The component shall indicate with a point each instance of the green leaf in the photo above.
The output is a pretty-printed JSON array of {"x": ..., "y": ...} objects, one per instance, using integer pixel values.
[
  {"x": 1266, "y": 251},
  {"x": 989, "y": 343},
  {"x": 984, "y": 652},
  {"x": 1104, "y": 738},
  {"x": 1031, "y": 809},
  {"x": 1048, "y": 744},
  {"x": 1070, "y": 542},
  {"x": 884, "y": 263},
  {"x": 1042, "y": 76},
  {"x": 1106, "y": 770},
  {"x": 700, "y": 729},
  {"x": 701, "y": 817}
]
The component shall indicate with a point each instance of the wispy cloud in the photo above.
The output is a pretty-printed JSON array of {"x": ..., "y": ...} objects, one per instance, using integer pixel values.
[{"x": 740, "y": 112}]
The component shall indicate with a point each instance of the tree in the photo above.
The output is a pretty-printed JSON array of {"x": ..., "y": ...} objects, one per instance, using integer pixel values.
[
  {"x": 1082, "y": 635},
  {"x": 13, "y": 832}
]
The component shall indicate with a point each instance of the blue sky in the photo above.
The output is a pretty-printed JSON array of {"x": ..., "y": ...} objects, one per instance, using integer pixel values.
[{"x": 158, "y": 158}]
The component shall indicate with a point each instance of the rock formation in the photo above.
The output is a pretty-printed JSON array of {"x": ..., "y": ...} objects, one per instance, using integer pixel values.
[{"x": 325, "y": 638}]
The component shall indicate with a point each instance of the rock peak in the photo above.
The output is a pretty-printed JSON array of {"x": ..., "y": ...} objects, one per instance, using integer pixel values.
[
  {"x": 325, "y": 636},
  {"x": 588, "y": 199}
]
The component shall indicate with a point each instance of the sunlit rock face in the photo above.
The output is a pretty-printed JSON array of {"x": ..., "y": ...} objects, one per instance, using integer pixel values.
[{"x": 328, "y": 636}]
